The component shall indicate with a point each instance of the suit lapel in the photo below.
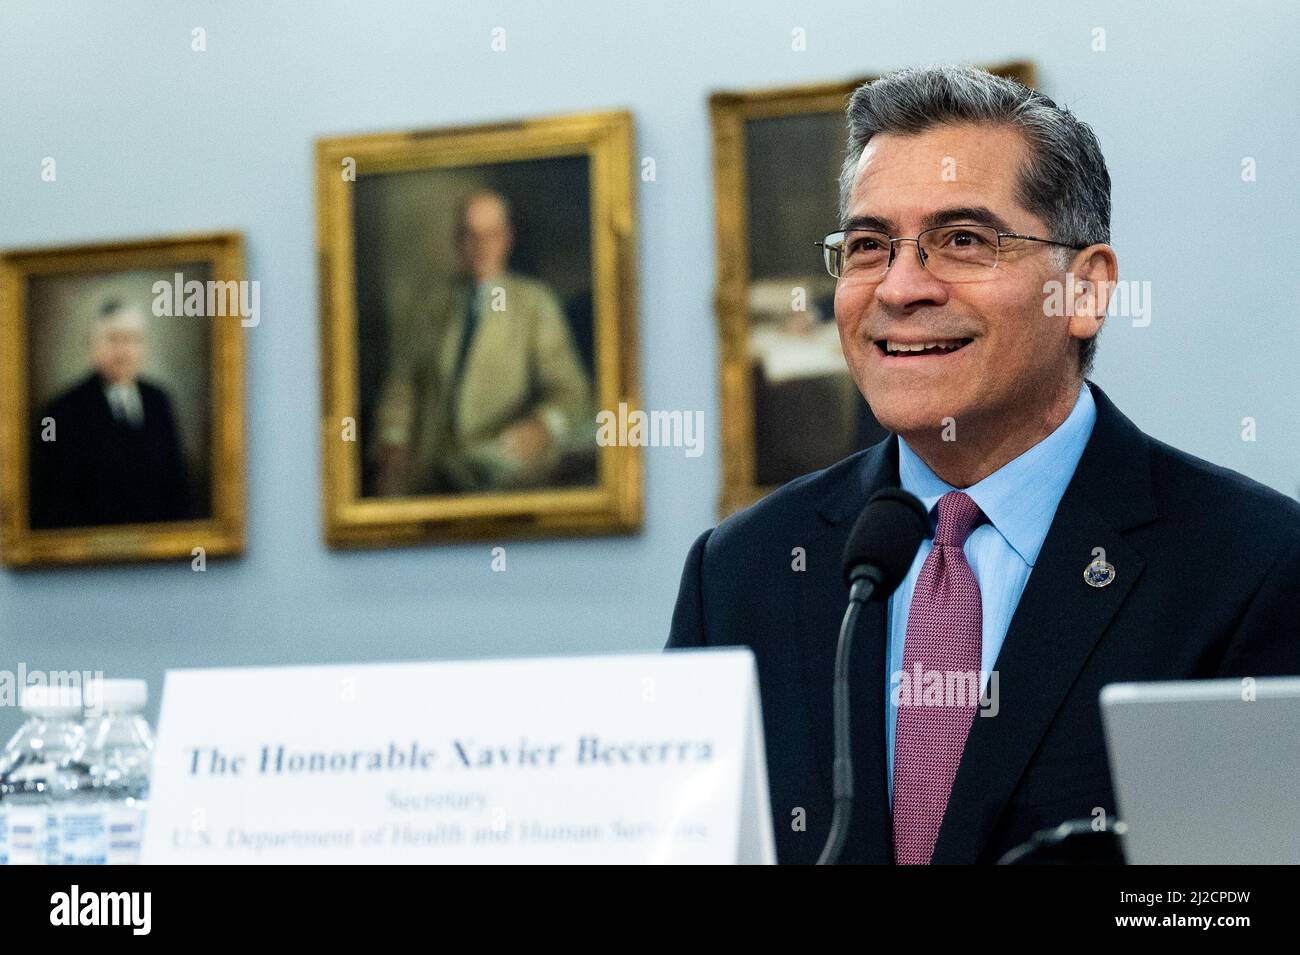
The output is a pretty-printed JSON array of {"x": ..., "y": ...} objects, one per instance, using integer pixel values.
[
  {"x": 822, "y": 604},
  {"x": 1056, "y": 625}
]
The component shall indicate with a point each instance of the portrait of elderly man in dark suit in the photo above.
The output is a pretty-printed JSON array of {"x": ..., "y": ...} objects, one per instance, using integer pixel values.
[
  {"x": 107, "y": 449},
  {"x": 1067, "y": 549}
]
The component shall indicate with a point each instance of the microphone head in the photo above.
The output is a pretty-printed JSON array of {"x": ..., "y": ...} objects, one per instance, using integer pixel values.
[{"x": 886, "y": 537}]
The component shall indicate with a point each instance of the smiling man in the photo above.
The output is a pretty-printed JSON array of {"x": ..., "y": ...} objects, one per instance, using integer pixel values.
[{"x": 1068, "y": 549}]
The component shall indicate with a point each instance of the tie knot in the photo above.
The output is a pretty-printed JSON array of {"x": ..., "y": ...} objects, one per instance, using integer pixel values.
[{"x": 958, "y": 516}]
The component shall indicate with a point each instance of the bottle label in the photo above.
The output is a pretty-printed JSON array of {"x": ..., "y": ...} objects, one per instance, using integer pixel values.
[
  {"x": 82, "y": 838},
  {"x": 125, "y": 825},
  {"x": 26, "y": 834}
]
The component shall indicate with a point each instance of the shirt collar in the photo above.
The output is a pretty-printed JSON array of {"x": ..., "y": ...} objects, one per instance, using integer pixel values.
[
  {"x": 124, "y": 389},
  {"x": 1019, "y": 498}
]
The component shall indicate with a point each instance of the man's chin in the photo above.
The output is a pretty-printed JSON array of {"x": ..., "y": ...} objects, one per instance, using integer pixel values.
[{"x": 908, "y": 417}]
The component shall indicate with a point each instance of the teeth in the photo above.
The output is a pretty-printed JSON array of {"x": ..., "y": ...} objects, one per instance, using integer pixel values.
[{"x": 892, "y": 346}]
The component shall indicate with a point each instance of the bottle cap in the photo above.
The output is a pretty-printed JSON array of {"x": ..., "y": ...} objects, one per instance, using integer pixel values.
[
  {"x": 51, "y": 700},
  {"x": 121, "y": 696}
]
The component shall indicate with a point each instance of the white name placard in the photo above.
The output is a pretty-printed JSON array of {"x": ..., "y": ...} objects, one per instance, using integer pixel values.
[{"x": 639, "y": 758}]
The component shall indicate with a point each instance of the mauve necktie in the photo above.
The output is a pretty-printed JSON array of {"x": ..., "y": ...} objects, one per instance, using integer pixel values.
[{"x": 944, "y": 637}]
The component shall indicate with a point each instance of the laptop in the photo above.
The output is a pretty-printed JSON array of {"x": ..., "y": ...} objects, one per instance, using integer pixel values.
[{"x": 1206, "y": 771}]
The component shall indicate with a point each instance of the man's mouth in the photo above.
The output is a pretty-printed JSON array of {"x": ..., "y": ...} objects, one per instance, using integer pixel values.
[{"x": 892, "y": 348}]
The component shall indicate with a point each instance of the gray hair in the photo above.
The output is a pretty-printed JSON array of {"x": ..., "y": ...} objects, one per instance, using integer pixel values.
[
  {"x": 115, "y": 311},
  {"x": 1064, "y": 182}
]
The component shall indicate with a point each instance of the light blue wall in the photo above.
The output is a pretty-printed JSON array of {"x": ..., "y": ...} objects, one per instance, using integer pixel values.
[{"x": 152, "y": 138}]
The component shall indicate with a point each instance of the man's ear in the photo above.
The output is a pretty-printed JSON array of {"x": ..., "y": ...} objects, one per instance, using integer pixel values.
[{"x": 1095, "y": 271}]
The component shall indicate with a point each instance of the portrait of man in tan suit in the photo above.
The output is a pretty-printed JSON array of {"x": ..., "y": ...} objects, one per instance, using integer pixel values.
[{"x": 485, "y": 389}]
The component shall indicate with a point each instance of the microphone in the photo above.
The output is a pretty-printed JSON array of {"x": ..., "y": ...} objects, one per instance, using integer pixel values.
[{"x": 878, "y": 555}]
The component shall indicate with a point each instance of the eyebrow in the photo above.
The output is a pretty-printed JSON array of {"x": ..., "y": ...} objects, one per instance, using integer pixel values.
[{"x": 975, "y": 215}]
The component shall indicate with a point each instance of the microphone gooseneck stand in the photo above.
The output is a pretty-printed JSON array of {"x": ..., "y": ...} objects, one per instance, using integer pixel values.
[{"x": 865, "y": 581}]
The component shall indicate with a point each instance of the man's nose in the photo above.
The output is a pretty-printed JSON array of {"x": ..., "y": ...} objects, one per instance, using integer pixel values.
[{"x": 907, "y": 282}]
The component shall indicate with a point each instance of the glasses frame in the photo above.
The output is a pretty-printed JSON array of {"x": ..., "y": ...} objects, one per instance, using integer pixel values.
[{"x": 827, "y": 244}]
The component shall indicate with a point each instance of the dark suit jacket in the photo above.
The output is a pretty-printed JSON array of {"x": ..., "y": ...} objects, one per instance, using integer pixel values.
[
  {"x": 1207, "y": 585},
  {"x": 100, "y": 471}
]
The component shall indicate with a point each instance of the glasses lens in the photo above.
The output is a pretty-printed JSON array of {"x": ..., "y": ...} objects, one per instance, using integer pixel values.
[
  {"x": 955, "y": 253},
  {"x": 865, "y": 254},
  {"x": 833, "y": 252}
]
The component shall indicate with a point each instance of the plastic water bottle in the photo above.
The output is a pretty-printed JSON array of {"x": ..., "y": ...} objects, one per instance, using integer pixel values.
[
  {"x": 36, "y": 769},
  {"x": 77, "y": 834},
  {"x": 117, "y": 750}
]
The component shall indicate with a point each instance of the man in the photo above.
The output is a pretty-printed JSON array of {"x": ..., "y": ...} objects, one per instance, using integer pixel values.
[
  {"x": 490, "y": 392},
  {"x": 1069, "y": 550},
  {"x": 106, "y": 451}
]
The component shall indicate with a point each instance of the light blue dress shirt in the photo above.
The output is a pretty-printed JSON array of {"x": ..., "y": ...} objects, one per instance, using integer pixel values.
[{"x": 1019, "y": 499}]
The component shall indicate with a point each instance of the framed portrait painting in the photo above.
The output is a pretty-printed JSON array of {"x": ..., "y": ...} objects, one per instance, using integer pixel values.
[
  {"x": 776, "y": 161},
  {"x": 477, "y": 313},
  {"x": 121, "y": 401}
]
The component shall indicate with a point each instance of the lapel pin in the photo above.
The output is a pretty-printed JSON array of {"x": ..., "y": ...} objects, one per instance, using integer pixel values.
[{"x": 1099, "y": 573}]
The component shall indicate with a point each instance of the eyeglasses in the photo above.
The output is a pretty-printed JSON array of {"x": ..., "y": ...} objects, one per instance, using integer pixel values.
[{"x": 951, "y": 253}]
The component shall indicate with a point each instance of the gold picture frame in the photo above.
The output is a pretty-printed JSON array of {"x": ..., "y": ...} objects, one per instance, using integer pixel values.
[
  {"x": 217, "y": 526},
  {"x": 612, "y": 504},
  {"x": 730, "y": 112}
]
